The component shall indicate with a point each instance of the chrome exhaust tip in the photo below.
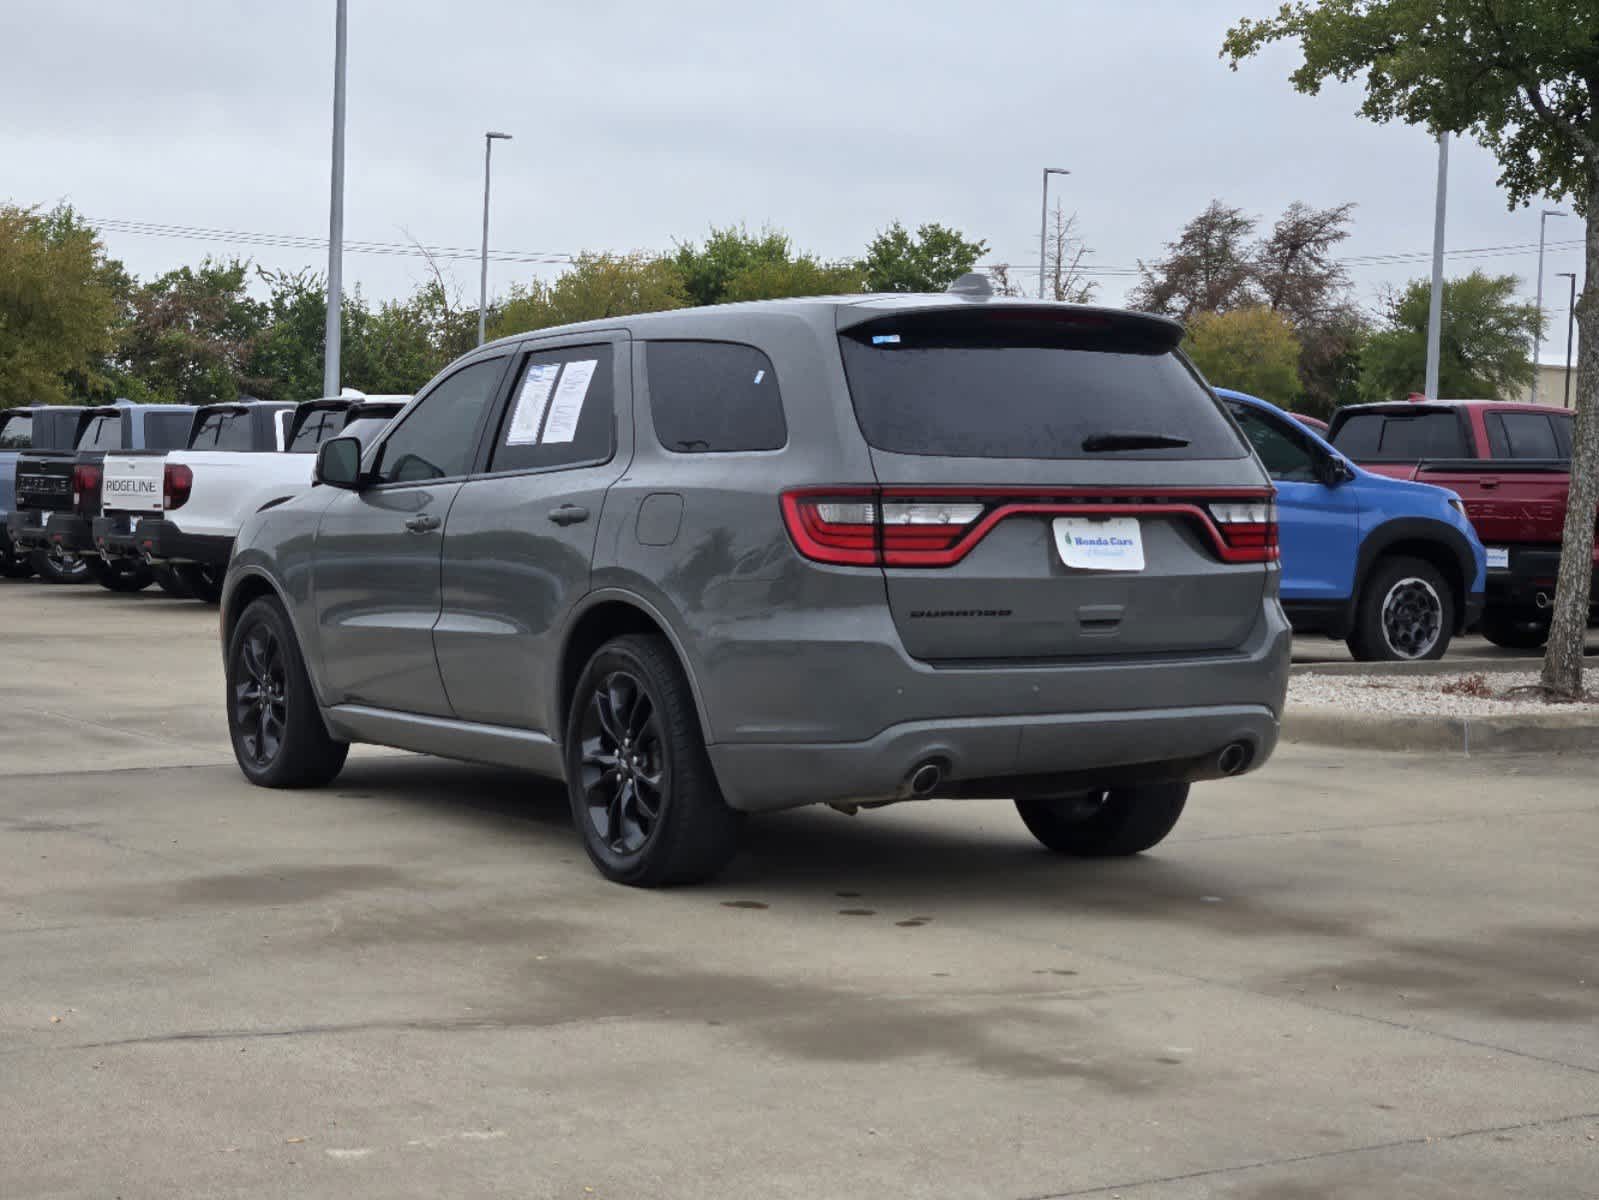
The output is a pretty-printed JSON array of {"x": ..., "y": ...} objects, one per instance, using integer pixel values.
[
  {"x": 1542, "y": 600},
  {"x": 925, "y": 779},
  {"x": 1234, "y": 758}
]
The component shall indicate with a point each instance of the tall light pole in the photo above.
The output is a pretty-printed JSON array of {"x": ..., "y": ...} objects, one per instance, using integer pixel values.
[
  {"x": 489, "y": 139},
  {"x": 1043, "y": 224},
  {"x": 1537, "y": 337},
  {"x": 1571, "y": 320},
  {"x": 330, "y": 358},
  {"x": 1435, "y": 317}
]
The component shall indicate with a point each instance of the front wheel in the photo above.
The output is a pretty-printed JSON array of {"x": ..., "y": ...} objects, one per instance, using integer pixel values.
[
  {"x": 60, "y": 566},
  {"x": 643, "y": 794},
  {"x": 120, "y": 574},
  {"x": 1515, "y": 630},
  {"x": 278, "y": 735},
  {"x": 1110, "y": 823},
  {"x": 1405, "y": 613},
  {"x": 14, "y": 565}
]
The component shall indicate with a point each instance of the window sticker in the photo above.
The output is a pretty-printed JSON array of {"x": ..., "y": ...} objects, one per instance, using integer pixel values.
[
  {"x": 531, "y": 402},
  {"x": 567, "y": 405}
]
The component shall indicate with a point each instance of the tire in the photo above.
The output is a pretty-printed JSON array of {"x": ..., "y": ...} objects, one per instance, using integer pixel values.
[
  {"x": 202, "y": 582},
  {"x": 56, "y": 566},
  {"x": 1515, "y": 630},
  {"x": 633, "y": 732},
  {"x": 120, "y": 575},
  {"x": 170, "y": 582},
  {"x": 14, "y": 565},
  {"x": 278, "y": 735},
  {"x": 1106, "y": 824},
  {"x": 1405, "y": 613}
]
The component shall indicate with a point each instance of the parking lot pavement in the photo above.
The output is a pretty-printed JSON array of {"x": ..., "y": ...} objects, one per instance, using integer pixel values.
[
  {"x": 1473, "y": 652},
  {"x": 1344, "y": 975}
]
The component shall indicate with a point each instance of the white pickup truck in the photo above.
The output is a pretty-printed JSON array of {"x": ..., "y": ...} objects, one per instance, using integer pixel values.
[{"x": 184, "y": 509}]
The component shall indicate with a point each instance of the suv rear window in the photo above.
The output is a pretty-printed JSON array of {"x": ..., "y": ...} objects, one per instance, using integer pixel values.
[
  {"x": 166, "y": 431},
  {"x": 714, "y": 397},
  {"x": 222, "y": 431},
  {"x": 1010, "y": 383},
  {"x": 103, "y": 432},
  {"x": 16, "y": 433},
  {"x": 1401, "y": 437},
  {"x": 319, "y": 425}
]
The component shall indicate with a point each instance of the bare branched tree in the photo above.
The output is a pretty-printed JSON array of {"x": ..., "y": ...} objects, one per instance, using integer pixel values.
[{"x": 1064, "y": 251}]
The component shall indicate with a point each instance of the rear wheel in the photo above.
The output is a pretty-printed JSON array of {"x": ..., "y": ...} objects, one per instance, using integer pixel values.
[
  {"x": 120, "y": 574},
  {"x": 644, "y": 796},
  {"x": 1515, "y": 630},
  {"x": 60, "y": 566},
  {"x": 170, "y": 583},
  {"x": 1405, "y": 612},
  {"x": 14, "y": 565},
  {"x": 203, "y": 582},
  {"x": 278, "y": 735},
  {"x": 1109, "y": 823}
]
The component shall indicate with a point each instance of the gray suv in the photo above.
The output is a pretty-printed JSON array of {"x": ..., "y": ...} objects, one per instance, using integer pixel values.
[{"x": 850, "y": 551}]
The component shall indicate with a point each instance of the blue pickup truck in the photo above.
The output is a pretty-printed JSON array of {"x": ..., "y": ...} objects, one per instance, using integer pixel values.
[{"x": 1392, "y": 567}]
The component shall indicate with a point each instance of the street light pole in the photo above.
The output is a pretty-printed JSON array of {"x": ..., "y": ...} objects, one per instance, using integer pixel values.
[
  {"x": 330, "y": 358},
  {"x": 1537, "y": 337},
  {"x": 1043, "y": 224},
  {"x": 489, "y": 139},
  {"x": 1571, "y": 320},
  {"x": 1435, "y": 318}
]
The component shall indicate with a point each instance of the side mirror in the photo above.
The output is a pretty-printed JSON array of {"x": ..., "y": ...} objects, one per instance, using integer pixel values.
[
  {"x": 1333, "y": 470},
  {"x": 338, "y": 463}
]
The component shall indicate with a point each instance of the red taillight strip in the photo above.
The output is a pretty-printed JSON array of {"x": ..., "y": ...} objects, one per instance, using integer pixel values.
[{"x": 863, "y": 545}]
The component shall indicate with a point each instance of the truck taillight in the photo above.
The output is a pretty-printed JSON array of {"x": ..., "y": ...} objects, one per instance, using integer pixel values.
[
  {"x": 176, "y": 481},
  {"x": 1249, "y": 529},
  {"x": 85, "y": 482}
]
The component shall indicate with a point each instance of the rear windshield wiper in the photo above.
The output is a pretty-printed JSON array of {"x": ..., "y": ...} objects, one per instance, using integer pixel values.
[{"x": 1100, "y": 443}]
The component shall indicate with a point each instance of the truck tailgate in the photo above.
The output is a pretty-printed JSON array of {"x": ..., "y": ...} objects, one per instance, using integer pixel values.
[{"x": 132, "y": 483}]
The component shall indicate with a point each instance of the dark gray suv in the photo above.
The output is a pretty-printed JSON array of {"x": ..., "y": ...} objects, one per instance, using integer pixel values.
[{"x": 718, "y": 561}]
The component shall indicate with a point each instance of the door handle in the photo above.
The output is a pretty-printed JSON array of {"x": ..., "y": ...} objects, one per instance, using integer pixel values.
[
  {"x": 569, "y": 514},
  {"x": 423, "y": 524}
]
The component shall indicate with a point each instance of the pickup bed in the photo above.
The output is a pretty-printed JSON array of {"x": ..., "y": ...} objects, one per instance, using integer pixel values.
[
  {"x": 1509, "y": 463},
  {"x": 58, "y": 490},
  {"x": 183, "y": 509}
]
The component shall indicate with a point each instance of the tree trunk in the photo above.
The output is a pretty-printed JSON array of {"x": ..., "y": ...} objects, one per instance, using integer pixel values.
[{"x": 1562, "y": 664}]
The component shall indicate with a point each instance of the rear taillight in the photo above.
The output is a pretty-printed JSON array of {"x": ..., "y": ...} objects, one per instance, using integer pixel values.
[
  {"x": 85, "y": 483},
  {"x": 876, "y": 527},
  {"x": 1249, "y": 529},
  {"x": 176, "y": 481}
]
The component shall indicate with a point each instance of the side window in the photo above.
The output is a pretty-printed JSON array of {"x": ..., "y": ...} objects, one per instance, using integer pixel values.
[
  {"x": 1525, "y": 435},
  {"x": 714, "y": 397},
  {"x": 102, "y": 433},
  {"x": 439, "y": 436},
  {"x": 1563, "y": 423},
  {"x": 17, "y": 433},
  {"x": 1285, "y": 456},
  {"x": 318, "y": 426},
  {"x": 222, "y": 431},
  {"x": 166, "y": 431},
  {"x": 562, "y": 411}
]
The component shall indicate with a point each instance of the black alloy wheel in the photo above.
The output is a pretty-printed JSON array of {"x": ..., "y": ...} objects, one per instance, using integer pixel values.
[
  {"x": 624, "y": 768},
  {"x": 260, "y": 701},
  {"x": 60, "y": 566}
]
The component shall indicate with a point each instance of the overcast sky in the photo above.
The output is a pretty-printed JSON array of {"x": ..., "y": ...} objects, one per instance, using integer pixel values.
[{"x": 638, "y": 122}]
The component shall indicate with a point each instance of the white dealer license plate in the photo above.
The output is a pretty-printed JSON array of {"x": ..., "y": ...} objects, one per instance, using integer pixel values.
[
  {"x": 1499, "y": 557},
  {"x": 1113, "y": 544}
]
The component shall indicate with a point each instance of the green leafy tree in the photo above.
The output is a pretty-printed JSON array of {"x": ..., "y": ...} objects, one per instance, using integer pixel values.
[
  {"x": 286, "y": 359},
  {"x": 736, "y": 265},
  {"x": 803, "y": 276},
  {"x": 192, "y": 333},
  {"x": 597, "y": 286},
  {"x": 1522, "y": 77},
  {"x": 1209, "y": 268},
  {"x": 1483, "y": 350},
  {"x": 1252, "y": 350},
  {"x": 60, "y": 300},
  {"x": 929, "y": 261}
]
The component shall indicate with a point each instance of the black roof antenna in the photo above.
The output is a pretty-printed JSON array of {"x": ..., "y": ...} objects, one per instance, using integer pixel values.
[{"x": 973, "y": 284}]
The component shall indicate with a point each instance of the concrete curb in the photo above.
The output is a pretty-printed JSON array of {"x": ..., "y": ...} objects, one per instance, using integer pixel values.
[
  {"x": 1472, "y": 666},
  {"x": 1540, "y": 733}
]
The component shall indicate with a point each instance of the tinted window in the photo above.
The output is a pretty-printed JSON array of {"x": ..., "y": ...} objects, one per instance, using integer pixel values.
[
  {"x": 167, "y": 430},
  {"x": 714, "y": 396},
  {"x": 561, "y": 412},
  {"x": 1522, "y": 435},
  {"x": 102, "y": 433},
  {"x": 1400, "y": 437},
  {"x": 1019, "y": 385},
  {"x": 1562, "y": 423},
  {"x": 1286, "y": 457},
  {"x": 316, "y": 427},
  {"x": 438, "y": 437},
  {"x": 362, "y": 429},
  {"x": 16, "y": 433},
  {"x": 222, "y": 431}
]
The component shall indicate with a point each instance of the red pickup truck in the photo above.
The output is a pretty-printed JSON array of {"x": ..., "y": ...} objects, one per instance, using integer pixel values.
[{"x": 1510, "y": 464}]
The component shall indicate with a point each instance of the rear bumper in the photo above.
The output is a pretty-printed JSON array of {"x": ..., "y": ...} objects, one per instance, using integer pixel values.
[
  {"x": 1532, "y": 572},
  {"x": 998, "y": 757},
  {"x": 39, "y": 530},
  {"x": 159, "y": 539}
]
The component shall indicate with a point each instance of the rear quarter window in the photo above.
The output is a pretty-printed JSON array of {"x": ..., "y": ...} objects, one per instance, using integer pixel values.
[
  {"x": 714, "y": 398},
  {"x": 103, "y": 432},
  {"x": 1014, "y": 384},
  {"x": 16, "y": 433}
]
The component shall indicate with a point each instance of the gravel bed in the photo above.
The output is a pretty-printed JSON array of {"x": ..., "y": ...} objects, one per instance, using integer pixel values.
[{"x": 1429, "y": 695}]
